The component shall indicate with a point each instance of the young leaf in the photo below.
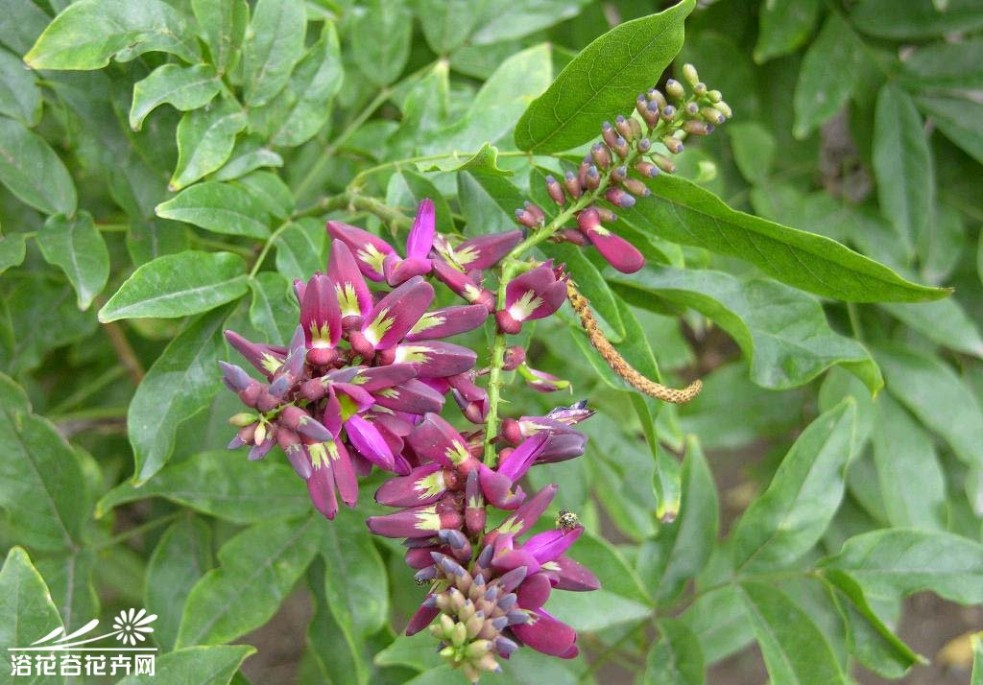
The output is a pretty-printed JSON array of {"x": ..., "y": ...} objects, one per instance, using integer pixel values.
[
  {"x": 184, "y": 88},
  {"x": 214, "y": 665},
  {"x": 205, "y": 138},
  {"x": 223, "y": 484},
  {"x": 182, "y": 382},
  {"x": 77, "y": 247},
  {"x": 223, "y": 23},
  {"x": 354, "y": 575},
  {"x": 42, "y": 491},
  {"x": 898, "y": 562},
  {"x": 382, "y": 61},
  {"x": 218, "y": 207},
  {"x": 794, "y": 648},
  {"x": 784, "y": 27},
  {"x": 681, "y": 211},
  {"x": 33, "y": 172},
  {"x": 26, "y": 611},
  {"x": 274, "y": 44},
  {"x": 178, "y": 285},
  {"x": 902, "y": 163},
  {"x": 20, "y": 97},
  {"x": 781, "y": 330},
  {"x": 790, "y": 517},
  {"x": 179, "y": 560},
  {"x": 258, "y": 567},
  {"x": 676, "y": 659},
  {"x": 603, "y": 79},
  {"x": 446, "y": 24},
  {"x": 829, "y": 75},
  {"x": 89, "y": 32},
  {"x": 12, "y": 250}
]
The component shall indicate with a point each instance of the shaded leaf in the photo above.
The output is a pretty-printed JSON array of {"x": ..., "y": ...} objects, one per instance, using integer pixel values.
[
  {"x": 335, "y": 651},
  {"x": 446, "y": 24},
  {"x": 12, "y": 250},
  {"x": 26, "y": 611},
  {"x": 945, "y": 65},
  {"x": 223, "y": 23},
  {"x": 214, "y": 665},
  {"x": 184, "y": 88},
  {"x": 382, "y": 61},
  {"x": 754, "y": 149},
  {"x": 784, "y": 27},
  {"x": 300, "y": 249},
  {"x": 591, "y": 285},
  {"x": 205, "y": 138},
  {"x": 274, "y": 311},
  {"x": 355, "y": 577},
  {"x": 944, "y": 322},
  {"x": 20, "y": 97},
  {"x": 957, "y": 118},
  {"x": 33, "y": 172},
  {"x": 676, "y": 658},
  {"x": 606, "y": 75},
  {"x": 503, "y": 20},
  {"x": 919, "y": 19},
  {"x": 218, "y": 207},
  {"x": 78, "y": 248},
  {"x": 274, "y": 44}
]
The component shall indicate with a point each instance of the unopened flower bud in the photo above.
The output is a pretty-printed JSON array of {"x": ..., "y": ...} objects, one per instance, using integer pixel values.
[
  {"x": 621, "y": 147},
  {"x": 619, "y": 174},
  {"x": 674, "y": 145},
  {"x": 617, "y": 196},
  {"x": 723, "y": 108},
  {"x": 636, "y": 187},
  {"x": 690, "y": 75},
  {"x": 608, "y": 133},
  {"x": 713, "y": 116},
  {"x": 715, "y": 96},
  {"x": 555, "y": 191},
  {"x": 644, "y": 145},
  {"x": 243, "y": 419},
  {"x": 593, "y": 178},
  {"x": 641, "y": 105},
  {"x": 582, "y": 171},
  {"x": 536, "y": 212},
  {"x": 514, "y": 356},
  {"x": 668, "y": 113},
  {"x": 526, "y": 218},
  {"x": 650, "y": 113},
  {"x": 606, "y": 215},
  {"x": 572, "y": 185},
  {"x": 692, "y": 109},
  {"x": 656, "y": 96},
  {"x": 601, "y": 155},
  {"x": 697, "y": 128},
  {"x": 634, "y": 128},
  {"x": 569, "y": 235},
  {"x": 675, "y": 90},
  {"x": 624, "y": 128},
  {"x": 700, "y": 89},
  {"x": 647, "y": 169},
  {"x": 664, "y": 163}
]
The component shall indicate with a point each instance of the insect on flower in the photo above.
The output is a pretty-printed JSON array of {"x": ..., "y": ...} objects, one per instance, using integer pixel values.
[{"x": 567, "y": 520}]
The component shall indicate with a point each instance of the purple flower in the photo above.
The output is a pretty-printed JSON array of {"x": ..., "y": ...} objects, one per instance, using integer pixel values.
[
  {"x": 481, "y": 252},
  {"x": 534, "y": 295},
  {"x": 540, "y": 381},
  {"x": 618, "y": 252}
]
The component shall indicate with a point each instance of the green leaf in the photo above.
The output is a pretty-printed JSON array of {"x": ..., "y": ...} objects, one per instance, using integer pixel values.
[
  {"x": 300, "y": 249},
  {"x": 681, "y": 211},
  {"x": 899, "y": 562},
  {"x": 223, "y": 23},
  {"x": 446, "y": 24},
  {"x": 77, "y": 247},
  {"x": 781, "y": 330},
  {"x": 932, "y": 391},
  {"x": 336, "y": 653},
  {"x": 21, "y": 24},
  {"x": 603, "y": 79},
  {"x": 415, "y": 652},
  {"x": 795, "y": 650},
  {"x": 42, "y": 490},
  {"x": 12, "y": 250},
  {"x": 308, "y": 95},
  {"x": 181, "y": 383},
  {"x": 790, "y": 517},
  {"x": 259, "y": 566},
  {"x": 355, "y": 578},
  {"x": 488, "y": 200},
  {"x": 20, "y": 97},
  {"x": 178, "y": 285},
  {"x": 591, "y": 285},
  {"x": 504, "y": 20},
  {"x": 902, "y": 163},
  {"x": 872, "y": 642},
  {"x": 179, "y": 560},
  {"x": 682, "y": 547},
  {"x": 89, "y": 32},
  {"x": 382, "y": 61},
  {"x": 215, "y": 665},
  {"x": 224, "y": 484},
  {"x": 273, "y": 311},
  {"x": 70, "y": 580},
  {"x": 33, "y": 172},
  {"x": 676, "y": 659},
  {"x": 598, "y": 611},
  {"x": 719, "y": 619},
  {"x": 249, "y": 154},
  {"x": 830, "y": 72},
  {"x": 957, "y": 118},
  {"x": 184, "y": 88},
  {"x": 205, "y": 138},
  {"x": 919, "y": 19},
  {"x": 407, "y": 189},
  {"x": 218, "y": 207},
  {"x": 784, "y": 27},
  {"x": 27, "y": 613},
  {"x": 269, "y": 190},
  {"x": 944, "y": 322},
  {"x": 274, "y": 44},
  {"x": 754, "y": 149},
  {"x": 942, "y": 65}
]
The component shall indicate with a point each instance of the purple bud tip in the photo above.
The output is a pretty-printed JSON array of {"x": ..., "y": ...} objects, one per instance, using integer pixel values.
[
  {"x": 517, "y": 617},
  {"x": 479, "y": 580},
  {"x": 513, "y": 578},
  {"x": 606, "y": 125},
  {"x": 454, "y": 538},
  {"x": 507, "y": 602},
  {"x": 451, "y": 567},
  {"x": 425, "y": 575},
  {"x": 430, "y": 602},
  {"x": 505, "y": 647},
  {"x": 620, "y": 119},
  {"x": 569, "y": 176},
  {"x": 492, "y": 593},
  {"x": 592, "y": 172},
  {"x": 499, "y": 622},
  {"x": 237, "y": 379},
  {"x": 485, "y": 557}
]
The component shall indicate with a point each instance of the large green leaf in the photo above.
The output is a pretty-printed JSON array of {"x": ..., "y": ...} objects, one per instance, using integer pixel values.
[
  {"x": 42, "y": 490},
  {"x": 181, "y": 383},
  {"x": 179, "y": 560},
  {"x": 218, "y": 207},
  {"x": 89, "y": 32},
  {"x": 223, "y": 484},
  {"x": 790, "y": 517},
  {"x": 504, "y": 20},
  {"x": 300, "y": 249},
  {"x": 178, "y": 285},
  {"x": 446, "y": 23},
  {"x": 77, "y": 247},
  {"x": 12, "y": 250},
  {"x": 214, "y": 665},
  {"x": 184, "y": 88},
  {"x": 274, "y": 44},
  {"x": 676, "y": 659},
  {"x": 33, "y": 172},
  {"x": 20, "y": 96},
  {"x": 602, "y": 80},
  {"x": 794, "y": 648},
  {"x": 223, "y": 23},
  {"x": 382, "y": 61},
  {"x": 958, "y": 118},
  {"x": 683, "y": 212},
  {"x": 355, "y": 577},
  {"x": 259, "y": 566},
  {"x": 784, "y": 27},
  {"x": 205, "y": 139},
  {"x": 902, "y": 163},
  {"x": 933, "y": 392},
  {"x": 274, "y": 310},
  {"x": 944, "y": 65},
  {"x": 897, "y": 562},
  {"x": 781, "y": 330},
  {"x": 336, "y": 652},
  {"x": 944, "y": 322},
  {"x": 26, "y": 611},
  {"x": 916, "y": 19}
]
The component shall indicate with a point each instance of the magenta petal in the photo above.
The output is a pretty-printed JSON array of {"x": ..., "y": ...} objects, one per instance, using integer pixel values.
[
  {"x": 547, "y": 635},
  {"x": 424, "y": 485},
  {"x": 420, "y": 239},
  {"x": 497, "y": 489},
  {"x": 399, "y": 271},
  {"x": 362, "y": 398},
  {"x": 518, "y": 462},
  {"x": 435, "y": 439},
  {"x": 485, "y": 251},
  {"x": 265, "y": 358},
  {"x": 534, "y": 591},
  {"x": 380, "y": 377},
  {"x": 320, "y": 314},
  {"x": 320, "y": 486},
  {"x": 525, "y": 517},
  {"x": 535, "y": 294},
  {"x": 516, "y": 558},
  {"x": 413, "y": 522},
  {"x": 413, "y": 397},
  {"x": 369, "y": 250},
  {"x": 366, "y": 438},
  {"x": 423, "y": 617},
  {"x": 344, "y": 473},
  {"x": 462, "y": 285},
  {"x": 551, "y": 544},
  {"x": 569, "y": 575},
  {"x": 354, "y": 296},
  {"x": 619, "y": 253},
  {"x": 396, "y": 313},
  {"x": 436, "y": 359},
  {"x": 443, "y": 323}
]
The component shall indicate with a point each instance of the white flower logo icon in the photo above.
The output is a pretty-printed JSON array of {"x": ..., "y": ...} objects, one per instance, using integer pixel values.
[{"x": 132, "y": 625}]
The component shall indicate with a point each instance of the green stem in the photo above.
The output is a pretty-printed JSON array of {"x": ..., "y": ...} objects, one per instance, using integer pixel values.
[
  {"x": 854, "y": 313},
  {"x": 79, "y": 396},
  {"x": 222, "y": 245},
  {"x": 359, "y": 179},
  {"x": 266, "y": 248},
  {"x": 138, "y": 530}
]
